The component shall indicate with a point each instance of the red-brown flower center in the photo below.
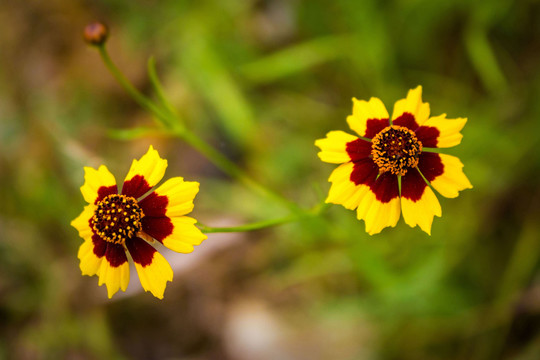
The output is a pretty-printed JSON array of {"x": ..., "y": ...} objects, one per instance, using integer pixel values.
[
  {"x": 117, "y": 218},
  {"x": 396, "y": 149}
]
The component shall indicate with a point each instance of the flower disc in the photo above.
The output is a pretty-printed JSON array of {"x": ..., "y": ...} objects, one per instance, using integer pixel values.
[
  {"x": 396, "y": 149},
  {"x": 117, "y": 218}
]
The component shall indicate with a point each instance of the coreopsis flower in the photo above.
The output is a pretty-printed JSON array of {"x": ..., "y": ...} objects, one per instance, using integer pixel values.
[
  {"x": 390, "y": 167},
  {"x": 122, "y": 223}
]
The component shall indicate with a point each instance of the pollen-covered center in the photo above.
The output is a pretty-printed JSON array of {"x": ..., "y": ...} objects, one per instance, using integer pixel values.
[
  {"x": 117, "y": 218},
  {"x": 396, "y": 149}
]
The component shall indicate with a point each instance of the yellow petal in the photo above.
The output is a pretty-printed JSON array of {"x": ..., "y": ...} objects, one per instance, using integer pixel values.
[
  {"x": 154, "y": 276},
  {"x": 449, "y": 130},
  {"x": 185, "y": 234},
  {"x": 180, "y": 195},
  {"x": 452, "y": 180},
  {"x": 333, "y": 147},
  {"x": 144, "y": 174},
  {"x": 90, "y": 259},
  {"x": 154, "y": 271},
  {"x": 412, "y": 104},
  {"x": 114, "y": 277},
  {"x": 82, "y": 222},
  {"x": 376, "y": 214},
  {"x": 364, "y": 111},
  {"x": 421, "y": 211},
  {"x": 343, "y": 191},
  {"x": 94, "y": 180}
]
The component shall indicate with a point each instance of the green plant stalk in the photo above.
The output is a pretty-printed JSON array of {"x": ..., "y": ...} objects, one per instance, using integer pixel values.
[
  {"x": 248, "y": 227},
  {"x": 142, "y": 100},
  {"x": 303, "y": 213},
  {"x": 232, "y": 170},
  {"x": 152, "y": 74},
  {"x": 171, "y": 121}
]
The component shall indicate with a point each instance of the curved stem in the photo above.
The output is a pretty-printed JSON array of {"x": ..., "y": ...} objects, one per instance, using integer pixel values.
[
  {"x": 152, "y": 74},
  {"x": 315, "y": 211},
  {"x": 232, "y": 169},
  {"x": 248, "y": 227},
  {"x": 174, "y": 123},
  {"x": 142, "y": 100}
]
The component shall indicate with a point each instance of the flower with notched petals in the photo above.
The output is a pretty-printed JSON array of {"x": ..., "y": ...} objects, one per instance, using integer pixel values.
[
  {"x": 390, "y": 167},
  {"x": 121, "y": 223}
]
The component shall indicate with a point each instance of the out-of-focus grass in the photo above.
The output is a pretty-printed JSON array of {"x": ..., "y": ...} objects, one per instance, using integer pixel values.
[{"x": 261, "y": 80}]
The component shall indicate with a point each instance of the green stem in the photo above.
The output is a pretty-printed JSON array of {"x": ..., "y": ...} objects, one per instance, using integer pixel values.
[
  {"x": 142, "y": 100},
  {"x": 301, "y": 213},
  {"x": 248, "y": 227},
  {"x": 152, "y": 74},
  {"x": 232, "y": 170},
  {"x": 171, "y": 121}
]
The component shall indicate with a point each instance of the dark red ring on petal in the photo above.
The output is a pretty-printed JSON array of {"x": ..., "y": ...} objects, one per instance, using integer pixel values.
[
  {"x": 154, "y": 205},
  {"x": 358, "y": 149},
  {"x": 135, "y": 187},
  {"x": 412, "y": 185},
  {"x": 105, "y": 191},
  {"x": 157, "y": 227},
  {"x": 428, "y": 136},
  {"x": 384, "y": 187},
  {"x": 100, "y": 246},
  {"x": 431, "y": 165},
  {"x": 141, "y": 252},
  {"x": 374, "y": 126},
  {"x": 364, "y": 172},
  {"x": 155, "y": 223},
  {"x": 115, "y": 254},
  {"x": 406, "y": 119}
]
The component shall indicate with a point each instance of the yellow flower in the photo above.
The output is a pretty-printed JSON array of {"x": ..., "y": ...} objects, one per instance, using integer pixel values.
[
  {"x": 389, "y": 167},
  {"x": 117, "y": 223}
]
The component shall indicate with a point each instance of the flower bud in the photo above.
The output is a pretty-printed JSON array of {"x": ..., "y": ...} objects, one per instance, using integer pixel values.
[{"x": 96, "y": 33}]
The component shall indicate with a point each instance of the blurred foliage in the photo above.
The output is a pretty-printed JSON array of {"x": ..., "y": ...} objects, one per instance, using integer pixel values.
[{"x": 261, "y": 80}]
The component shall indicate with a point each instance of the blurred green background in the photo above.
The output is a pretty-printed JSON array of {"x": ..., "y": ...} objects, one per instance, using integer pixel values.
[{"x": 261, "y": 80}]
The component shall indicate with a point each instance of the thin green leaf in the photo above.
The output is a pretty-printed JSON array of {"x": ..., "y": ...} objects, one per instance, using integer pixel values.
[
  {"x": 295, "y": 59},
  {"x": 158, "y": 87}
]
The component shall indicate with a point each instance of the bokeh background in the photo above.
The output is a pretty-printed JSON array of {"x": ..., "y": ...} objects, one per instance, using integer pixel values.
[{"x": 261, "y": 80}]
